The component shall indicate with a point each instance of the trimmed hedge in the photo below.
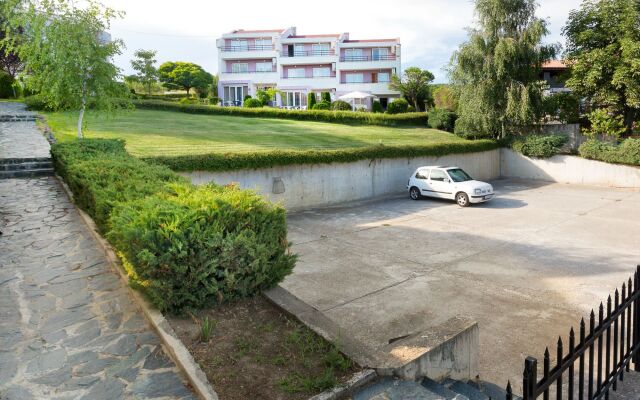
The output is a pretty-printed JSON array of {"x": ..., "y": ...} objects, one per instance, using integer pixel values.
[
  {"x": 539, "y": 146},
  {"x": 198, "y": 246},
  {"x": 185, "y": 247},
  {"x": 233, "y": 161},
  {"x": 627, "y": 152},
  {"x": 398, "y": 106},
  {"x": 442, "y": 119},
  {"x": 344, "y": 117},
  {"x": 252, "y": 103}
]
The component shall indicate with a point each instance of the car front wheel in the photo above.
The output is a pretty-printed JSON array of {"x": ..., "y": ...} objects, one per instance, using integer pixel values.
[
  {"x": 414, "y": 193},
  {"x": 462, "y": 199}
]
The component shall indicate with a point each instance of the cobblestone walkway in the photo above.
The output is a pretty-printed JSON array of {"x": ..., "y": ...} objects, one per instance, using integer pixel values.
[
  {"x": 68, "y": 327},
  {"x": 20, "y": 139}
]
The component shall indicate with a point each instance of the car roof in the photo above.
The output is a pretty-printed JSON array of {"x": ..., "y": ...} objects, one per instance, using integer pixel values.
[{"x": 437, "y": 166}]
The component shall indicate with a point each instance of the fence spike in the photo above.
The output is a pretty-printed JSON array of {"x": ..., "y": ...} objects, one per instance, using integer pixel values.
[
  {"x": 546, "y": 353},
  {"x": 630, "y": 286}
]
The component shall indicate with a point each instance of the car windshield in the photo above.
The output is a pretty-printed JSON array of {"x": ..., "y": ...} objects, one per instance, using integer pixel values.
[{"x": 458, "y": 175}]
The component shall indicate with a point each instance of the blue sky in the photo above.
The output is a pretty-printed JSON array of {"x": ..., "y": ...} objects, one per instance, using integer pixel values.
[{"x": 186, "y": 30}]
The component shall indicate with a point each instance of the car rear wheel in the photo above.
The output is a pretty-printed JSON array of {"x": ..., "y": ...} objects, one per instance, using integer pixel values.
[
  {"x": 414, "y": 193},
  {"x": 462, "y": 199}
]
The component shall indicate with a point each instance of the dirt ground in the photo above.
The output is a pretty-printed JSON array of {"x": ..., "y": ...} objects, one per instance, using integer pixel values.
[{"x": 257, "y": 352}]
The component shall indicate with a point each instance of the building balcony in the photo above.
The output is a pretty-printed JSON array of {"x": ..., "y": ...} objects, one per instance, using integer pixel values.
[
  {"x": 377, "y": 88},
  {"x": 308, "y": 58},
  {"x": 317, "y": 82},
  {"x": 250, "y": 76},
  {"x": 367, "y": 62},
  {"x": 246, "y": 52},
  {"x": 226, "y": 49},
  {"x": 310, "y": 53},
  {"x": 382, "y": 57}
]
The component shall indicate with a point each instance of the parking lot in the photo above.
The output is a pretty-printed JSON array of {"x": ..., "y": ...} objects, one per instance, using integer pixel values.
[{"x": 526, "y": 266}]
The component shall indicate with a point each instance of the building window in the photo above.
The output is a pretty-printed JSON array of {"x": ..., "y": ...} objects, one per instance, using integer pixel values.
[
  {"x": 263, "y": 44},
  {"x": 353, "y": 55},
  {"x": 355, "y": 78},
  {"x": 234, "y": 95},
  {"x": 321, "y": 49},
  {"x": 321, "y": 72},
  {"x": 239, "y": 45},
  {"x": 294, "y": 99},
  {"x": 381, "y": 53},
  {"x": 384, "y": 77},
  {"x": 299, "y": 50},
  {"x": 264, "y": 67},
  {"x": 296, "y": 73},
  {"x": 237, "y": 68}
]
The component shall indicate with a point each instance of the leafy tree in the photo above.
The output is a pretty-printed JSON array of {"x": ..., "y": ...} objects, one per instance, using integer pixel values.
[
  {"x": 603, "y": 49},
  {"x": 144, "y": 64},
  {"x": 184, "y": 75},
  {"x": 68, "y": 55},
  {"x": 495, "y": 72},
  {"x": 604, "y": 124},
  {"x": 10, "y": 62},
  {"x": 414, "y": 85},
  {"x": 325, "y": 97},
  {"x": 444, "y": 98}
]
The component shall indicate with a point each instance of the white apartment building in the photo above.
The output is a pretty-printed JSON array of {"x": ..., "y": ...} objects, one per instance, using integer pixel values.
[{"x": 250, "y": 60}]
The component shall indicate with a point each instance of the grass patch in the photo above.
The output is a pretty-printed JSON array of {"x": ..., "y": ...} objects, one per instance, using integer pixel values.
[{"x": 164, "y": 133}]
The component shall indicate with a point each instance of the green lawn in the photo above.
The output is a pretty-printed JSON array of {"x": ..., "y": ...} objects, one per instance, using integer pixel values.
[{"x": 152, "y": 133}]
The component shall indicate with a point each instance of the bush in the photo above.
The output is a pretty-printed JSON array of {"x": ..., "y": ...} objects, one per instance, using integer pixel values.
[
  {"x": 246, "y": 97},
  {"x": 6, "y": 83},
  {"x": 376, "y": 107},
  {"x": 311, "y": 100},
  {"x": 36, "y": 103},
  {"x": 627, "y": 152},
  {"x": 539, "y": 146},
  {"x": 186, "y": 247},
  {"x": 442, "y": 119},
  {"x": 398, "y": 106},
  {"x": 564, "y": 107},
  {"x": 252, "y": 103},
  {"x": 214, "y": 100},
  {"x": 100, "y": 174},
  {"x": 323, "y": 105},
  {"x": 264, "y": 159},
  {"x": 604, "y": 124},
  {"x": 411, "y": 109},
  {"x": 326, "y": 97},
  {"x": 343, "y": 117},
  {"x": 188, "y": 100},
  {"x": 196, "y": 247},
  {"x": 341, "y": 105}
]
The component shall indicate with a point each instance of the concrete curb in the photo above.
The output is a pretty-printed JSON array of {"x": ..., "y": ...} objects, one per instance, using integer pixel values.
[
  {"x": 170, "y": 341},
  {"x": 357, "y": 381}
]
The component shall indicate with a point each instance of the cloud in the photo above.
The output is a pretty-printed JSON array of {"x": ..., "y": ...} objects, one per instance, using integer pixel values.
[{"x": 430, "y": 30}]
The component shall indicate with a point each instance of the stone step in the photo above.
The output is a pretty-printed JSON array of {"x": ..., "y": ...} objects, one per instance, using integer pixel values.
[
  {"x": 441, "y": 390},
  {"x": 17, "y": 118},
  {"x": 465, "y": 389},
  {"x": 395, "y": 389},
  {"x": 31, "y": 165},
  {"x": 26, "y": 173},
  {"x": 494, "y": 391},
  {"x": 4, "y": 161}
]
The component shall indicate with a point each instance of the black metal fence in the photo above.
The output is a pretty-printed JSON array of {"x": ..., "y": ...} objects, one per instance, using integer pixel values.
[{"x": 604, "y": 351}]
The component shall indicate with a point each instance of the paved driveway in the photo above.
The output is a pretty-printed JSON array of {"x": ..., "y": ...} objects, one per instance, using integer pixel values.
[{"x": 526, "y": 266}]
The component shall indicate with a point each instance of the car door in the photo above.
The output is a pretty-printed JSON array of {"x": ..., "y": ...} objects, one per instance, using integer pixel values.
[
  {"x": 440, "y": 184},
  {"x": 421, "y": 180}
]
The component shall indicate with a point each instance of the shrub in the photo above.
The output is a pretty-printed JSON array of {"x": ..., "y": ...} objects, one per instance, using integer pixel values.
[
  {"x": 36, "y": 103},
  {"x": 252, "y": 103},
  {"x": 343, "y": 117},
  {"x": 442, "y": 119},
  {"x": 311, "y": 100},
  {"x": 263, "y": 96},
  {"x": 539, "y": 146},
  {"x": 564, "y": 107},
  {"x": 326, "y": 97},
  {"x": 323, "y": 105},
  {"x": 627, "y": 152},
  {"x": 604, "y": 124},
  {"x": 213, "y": 100},
  {"x": 411, "y": 109},
  {"x": 376, "y": 107},
  {"x": 186, "y": 247},
  {"x": 198, "y": 246},
  {"x": 188, "y": 100},
  {"x": 246, "y": 97},
  {"x": 398, "y": 106},
  {"x": 264, "y": 159},
  {"x": 6, "y": 83},
  {"x": 341, "y": 105}
]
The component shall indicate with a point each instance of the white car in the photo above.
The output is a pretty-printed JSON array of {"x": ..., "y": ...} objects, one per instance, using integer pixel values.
[{"x": 448, "y": 183}]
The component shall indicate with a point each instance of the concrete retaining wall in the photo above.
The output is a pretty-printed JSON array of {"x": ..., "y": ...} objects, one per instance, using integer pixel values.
[
  {"x": 568, "y": 169},
  {"x": 302, "y": 186}
]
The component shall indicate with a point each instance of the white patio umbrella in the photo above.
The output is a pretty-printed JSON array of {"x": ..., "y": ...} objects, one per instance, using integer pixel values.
[{"x": 353, "y": 96}]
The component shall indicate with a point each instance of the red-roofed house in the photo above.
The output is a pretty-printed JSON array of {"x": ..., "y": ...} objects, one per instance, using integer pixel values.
[
  {"x": 250, "y": 60},
  {"x": 553, "y": 73}
]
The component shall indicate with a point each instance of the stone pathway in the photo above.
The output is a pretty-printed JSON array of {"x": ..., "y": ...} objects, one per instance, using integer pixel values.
[
  {"x": 68, "y": 326},
  {"x": 20, "y": 139}
]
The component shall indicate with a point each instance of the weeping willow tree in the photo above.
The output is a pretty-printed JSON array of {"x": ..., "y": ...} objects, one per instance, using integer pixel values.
[{"x": 495, "y": 73}]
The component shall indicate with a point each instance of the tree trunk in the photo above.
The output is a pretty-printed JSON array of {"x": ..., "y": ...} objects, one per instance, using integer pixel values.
[
  {"x": 15, "y": 96},
  {"x": 629, "y": 117},
  {"x": 188, "y": 91},
  {"x": 81, "y": 117}
]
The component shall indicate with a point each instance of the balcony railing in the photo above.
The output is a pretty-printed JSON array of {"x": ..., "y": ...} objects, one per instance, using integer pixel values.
[
  {"x": 310, "y": 53},
  {"x": 309, "y": 77},
  {"x": 249, "y": 72},
  {"x": 366, "y": 80},
  {"x": 381, "y": 57},
  {"x": 246, "y": 48}
]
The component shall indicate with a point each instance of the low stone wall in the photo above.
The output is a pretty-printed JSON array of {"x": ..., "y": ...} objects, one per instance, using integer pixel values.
[
  {"x": 302, "y": 186},
  {"x": 568, "y": 169}
]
